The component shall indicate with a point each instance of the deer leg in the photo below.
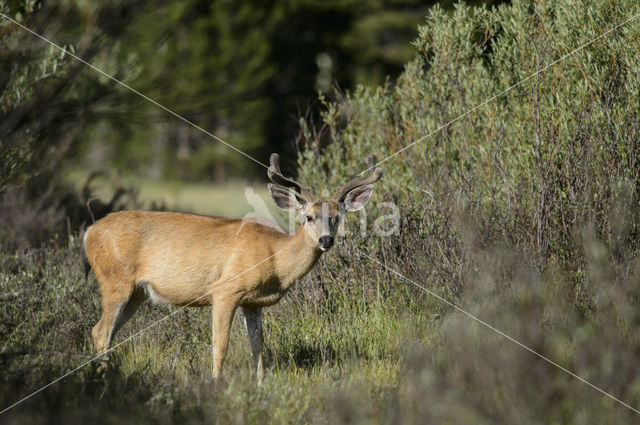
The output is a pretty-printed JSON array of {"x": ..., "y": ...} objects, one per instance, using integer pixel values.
[
  {"x": 113, "y": 305},
  {"x": 136, "y": 299},
  {"x": 103, "y": 331},
  {"x": 253, "y": 322},
  {"x": 221, "y": 326}
]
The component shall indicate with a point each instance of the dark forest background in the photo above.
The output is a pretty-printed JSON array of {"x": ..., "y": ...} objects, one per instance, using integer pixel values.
[{"x": 244, "y": 71}]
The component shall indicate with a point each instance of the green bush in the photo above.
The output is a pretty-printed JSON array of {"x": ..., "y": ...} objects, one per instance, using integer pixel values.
[
  {"x": 533, "y": 165},
  {"x": 523, "y": 211}
]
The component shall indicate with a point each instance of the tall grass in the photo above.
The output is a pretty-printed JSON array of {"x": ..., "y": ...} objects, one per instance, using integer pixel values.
[
  {"x": 350, "y": 344},
  {"x": 314, "y": 348}
]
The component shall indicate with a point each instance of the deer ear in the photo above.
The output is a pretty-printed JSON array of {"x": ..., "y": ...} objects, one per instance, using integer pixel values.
[
  {"x": 286, "y": 199},
  {"x": 358, "y": 198}
]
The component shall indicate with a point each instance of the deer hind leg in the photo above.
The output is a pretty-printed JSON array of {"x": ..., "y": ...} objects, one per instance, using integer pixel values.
[
  {"x": 138, "y": 296},
  {"x": 114, "y": 304},
  {"x": 253, "y": 322}
]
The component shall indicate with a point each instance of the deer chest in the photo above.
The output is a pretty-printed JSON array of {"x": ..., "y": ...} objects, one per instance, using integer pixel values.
[{"x": 265, "y": 294}]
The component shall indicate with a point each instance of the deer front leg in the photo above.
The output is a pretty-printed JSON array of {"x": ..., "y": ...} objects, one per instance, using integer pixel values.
[
  {"x": 222, "y": 318},
  {"x": 253, "y": 322}
]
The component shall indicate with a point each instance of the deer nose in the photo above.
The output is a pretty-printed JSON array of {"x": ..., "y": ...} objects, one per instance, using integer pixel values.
[{"x": 325, "y": 242}]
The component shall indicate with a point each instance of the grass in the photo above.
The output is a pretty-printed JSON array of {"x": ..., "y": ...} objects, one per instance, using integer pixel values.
[
  {"x": 349, "y": 344},
  {"x": 315, "y": 350}
]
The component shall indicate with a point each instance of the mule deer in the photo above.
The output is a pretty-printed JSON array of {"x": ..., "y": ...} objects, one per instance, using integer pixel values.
[{"x": 193, "y": 260}]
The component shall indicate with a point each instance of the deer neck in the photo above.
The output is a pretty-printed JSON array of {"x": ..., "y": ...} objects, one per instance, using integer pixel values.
[{"x": 299, "y": 254}]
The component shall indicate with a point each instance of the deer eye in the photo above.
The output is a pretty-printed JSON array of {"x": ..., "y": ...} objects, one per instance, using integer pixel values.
[{"x": 309, "y": 218}]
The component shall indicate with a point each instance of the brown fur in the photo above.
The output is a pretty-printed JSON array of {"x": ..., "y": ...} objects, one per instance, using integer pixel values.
[{"x": 192, "y": 260}]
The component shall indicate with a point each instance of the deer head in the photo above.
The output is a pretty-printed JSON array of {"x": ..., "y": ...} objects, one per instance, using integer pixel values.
[{"x": 321, "y": 217}]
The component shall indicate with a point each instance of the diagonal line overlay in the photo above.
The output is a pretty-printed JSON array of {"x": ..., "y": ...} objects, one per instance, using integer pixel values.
[
  {"x": 565, "y": 56},
  {"x": 492, "y": 98},
  {"x": 175, "y": 114},
  {"x": 135, "y": 335},
  {"x": 498, "y": 331}
]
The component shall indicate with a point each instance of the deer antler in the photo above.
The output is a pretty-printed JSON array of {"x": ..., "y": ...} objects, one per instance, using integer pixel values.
[
  {"x": 373, "y": 175},
  {"x": 276, "y": 176}
]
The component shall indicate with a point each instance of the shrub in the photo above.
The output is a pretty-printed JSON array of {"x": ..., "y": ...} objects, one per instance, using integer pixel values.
[{"x": 532, "y": 166}]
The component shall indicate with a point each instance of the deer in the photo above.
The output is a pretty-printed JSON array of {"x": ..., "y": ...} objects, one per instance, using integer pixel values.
[{"x": 229, "y": 264}]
